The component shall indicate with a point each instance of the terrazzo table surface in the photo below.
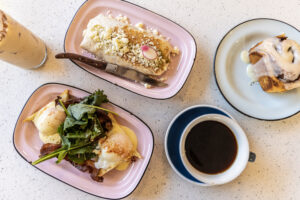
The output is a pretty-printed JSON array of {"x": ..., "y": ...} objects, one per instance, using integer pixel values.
[{"x": 274, "y": 175}]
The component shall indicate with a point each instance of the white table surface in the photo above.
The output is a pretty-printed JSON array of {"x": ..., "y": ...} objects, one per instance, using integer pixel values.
[{"x": 274, "y": 175}]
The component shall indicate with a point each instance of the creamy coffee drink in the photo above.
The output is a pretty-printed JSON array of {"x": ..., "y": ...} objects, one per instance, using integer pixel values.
[{"x": 19, "y": 46}]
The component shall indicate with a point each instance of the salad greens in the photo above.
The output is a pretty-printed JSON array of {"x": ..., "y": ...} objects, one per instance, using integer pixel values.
[{"x": 80, "y": 131}]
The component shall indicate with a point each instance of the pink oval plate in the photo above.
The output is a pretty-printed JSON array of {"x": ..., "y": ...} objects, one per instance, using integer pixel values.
[
  {"x": 116, "y": 184},
  {"x": 180, "y": 65}
]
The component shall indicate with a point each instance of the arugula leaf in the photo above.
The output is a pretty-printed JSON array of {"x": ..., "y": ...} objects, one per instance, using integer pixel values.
[
  {"x": 97, "y": 129},
  {"x": 63, "y": 106},
  {"x": 46, "y": 157},
  {"x": 78, "y": 111},
  {"x": 100, "y": 108},
  {"x": 57, "y": 152},
  {"x": 80, "y": 131},
  {"x": 83, "y": 150},
  {"x": 78, "y": 160},
  {"x": 96, "y": 99},
  {"x": 64, "y": 141},
  {"x": 78, "y": 135},
  {"x": 61, "y": 156},
  {"x": 80, "y": 155},
  {"x": 71, "y": 122}
]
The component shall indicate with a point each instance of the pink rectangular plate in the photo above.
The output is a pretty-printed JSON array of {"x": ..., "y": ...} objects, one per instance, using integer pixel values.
[
  {"x": 180, "y": 66},
  {"x": 117, "y": 184}
]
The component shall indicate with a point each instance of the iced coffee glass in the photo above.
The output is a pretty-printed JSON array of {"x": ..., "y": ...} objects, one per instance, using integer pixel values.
[{"x": 19, "y": 46}]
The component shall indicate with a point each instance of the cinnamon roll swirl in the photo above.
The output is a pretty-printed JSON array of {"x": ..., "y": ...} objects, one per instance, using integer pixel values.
[{"x": 275, "y": 63}]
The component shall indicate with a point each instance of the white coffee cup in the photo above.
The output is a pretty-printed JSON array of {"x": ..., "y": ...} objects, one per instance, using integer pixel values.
[{"x": 241, "y": 159}]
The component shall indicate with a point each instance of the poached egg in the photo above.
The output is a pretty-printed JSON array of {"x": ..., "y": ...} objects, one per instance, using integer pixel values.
[
  {"x": 117, "y": 149},
  {"x": 48, "y": 119}
]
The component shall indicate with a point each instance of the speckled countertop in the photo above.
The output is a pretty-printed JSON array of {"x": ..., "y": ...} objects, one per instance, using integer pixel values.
[{"x": 274, "y": 175}]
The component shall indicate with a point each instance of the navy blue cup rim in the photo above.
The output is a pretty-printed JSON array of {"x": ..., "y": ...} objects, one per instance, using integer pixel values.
[{"x": 198, "y": 182}]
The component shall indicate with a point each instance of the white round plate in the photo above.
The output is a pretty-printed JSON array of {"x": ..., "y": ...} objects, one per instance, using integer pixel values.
[{"x": 231, "y": 77}]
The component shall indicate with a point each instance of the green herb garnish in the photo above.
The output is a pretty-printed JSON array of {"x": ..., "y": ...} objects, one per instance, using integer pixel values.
[{"x": 80, "y": 131}]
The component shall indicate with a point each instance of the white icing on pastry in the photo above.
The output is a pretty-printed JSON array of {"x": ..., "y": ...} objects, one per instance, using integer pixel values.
[
  {"x": 251, "y": 73},
  {"x": 245, "y": 56},
  {"x": 281, "y": 58}
]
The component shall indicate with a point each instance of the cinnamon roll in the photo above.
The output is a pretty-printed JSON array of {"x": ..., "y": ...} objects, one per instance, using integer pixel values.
[{"x": 275, "y": 64}]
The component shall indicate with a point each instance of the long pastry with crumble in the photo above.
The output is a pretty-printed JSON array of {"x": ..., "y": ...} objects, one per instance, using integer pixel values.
[{"x": 121, "y": 43}]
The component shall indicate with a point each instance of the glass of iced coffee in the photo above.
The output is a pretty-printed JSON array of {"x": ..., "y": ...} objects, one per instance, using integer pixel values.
[{"x": 19, "y": 46}]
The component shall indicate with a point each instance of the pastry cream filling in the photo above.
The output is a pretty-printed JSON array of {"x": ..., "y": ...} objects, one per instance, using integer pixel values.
[{"x": 280, "y": 59}]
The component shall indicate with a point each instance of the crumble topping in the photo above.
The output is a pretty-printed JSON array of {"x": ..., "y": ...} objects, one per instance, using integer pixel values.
[
  {"x": 140, "y": 26},
  {"x": 175, "y": 50},
  {"x": 155, "y": 32},
  {"x": 122, "y": 18},
  {"x": 126, "y": 42}
]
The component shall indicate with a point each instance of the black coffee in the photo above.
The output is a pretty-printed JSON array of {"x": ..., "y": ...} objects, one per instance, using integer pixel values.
[{"x": 211, "y": 147}]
